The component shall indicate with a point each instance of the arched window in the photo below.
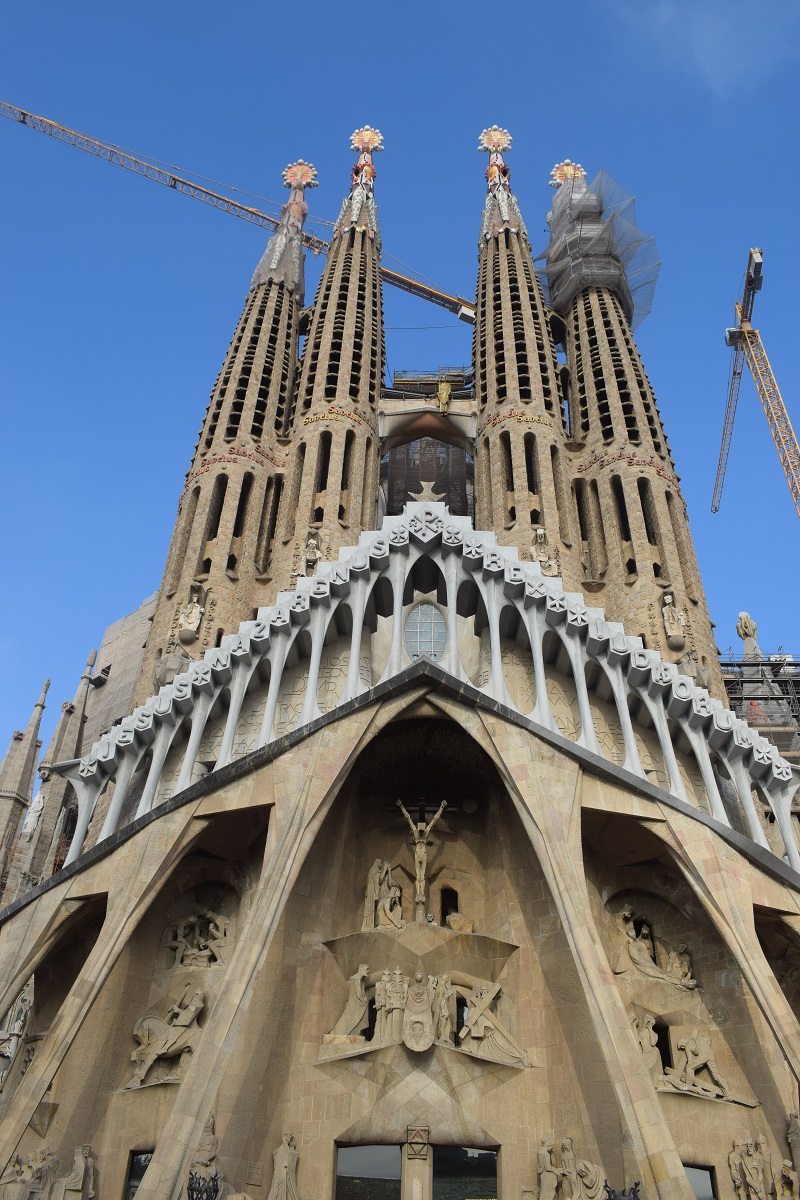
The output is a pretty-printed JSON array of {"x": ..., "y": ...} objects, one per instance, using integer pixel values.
[{"x": 426, "y": 633}]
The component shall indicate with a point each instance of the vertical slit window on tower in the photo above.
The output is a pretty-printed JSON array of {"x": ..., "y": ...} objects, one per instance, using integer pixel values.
[
  {"x": 508, "y": 473},
  {"x": 297, "y": 482},
  {"x": 344, "y": 491},
  {"x": 241, "y": 507},
  {"x": 623, "y": 525},
  {"x": 367, "y": 484},
  {"x": 561, "y": 496},
  {"x": 212, "y": 523},
  {"x": 532, "y": 478},
  {"x": 651, "y": 523}
]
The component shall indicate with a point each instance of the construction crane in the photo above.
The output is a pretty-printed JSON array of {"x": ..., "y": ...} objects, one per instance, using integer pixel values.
[
  {"x": 747, "y": 347},
  {"x": 463, "y": 309}
]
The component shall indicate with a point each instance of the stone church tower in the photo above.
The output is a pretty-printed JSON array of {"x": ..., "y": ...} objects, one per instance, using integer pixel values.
[{"x": 430, "y": 864}]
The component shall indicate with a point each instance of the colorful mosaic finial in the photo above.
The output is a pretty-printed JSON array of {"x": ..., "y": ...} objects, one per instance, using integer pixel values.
[
  {"x": 367, "y": 140},
  {"x": 282, "y": 261},
  {"x": 358, "y": 210},
  {"x": 565, "y": 171},
  {"x": 494, "y": 140},
  {"x": 501, "y": 211},
  {"x": 299, "y": 175}
]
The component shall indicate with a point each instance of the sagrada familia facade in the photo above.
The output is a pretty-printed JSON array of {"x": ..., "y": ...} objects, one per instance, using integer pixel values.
[{"x": 403, "y": 843}]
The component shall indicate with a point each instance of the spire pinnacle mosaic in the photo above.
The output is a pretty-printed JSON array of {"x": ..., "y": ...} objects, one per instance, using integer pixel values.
[
  {"x": 282, "y": 261},
  {"x": 565, "y": 172},
  {"x": 360, "y": 204},
  {"x": 501, "y": 211}
]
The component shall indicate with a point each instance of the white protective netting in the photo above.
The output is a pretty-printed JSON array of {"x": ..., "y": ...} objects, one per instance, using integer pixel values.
[{"x": 595, "y": 242}]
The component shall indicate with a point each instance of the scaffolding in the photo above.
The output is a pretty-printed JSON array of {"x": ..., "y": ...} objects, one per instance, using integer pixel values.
[
  {"x": 595, "y": 242},
  {"x": 766, "y": 693}
]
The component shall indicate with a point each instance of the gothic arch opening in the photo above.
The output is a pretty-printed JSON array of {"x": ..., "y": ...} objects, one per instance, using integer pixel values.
[{"x": 427, "y": 468}]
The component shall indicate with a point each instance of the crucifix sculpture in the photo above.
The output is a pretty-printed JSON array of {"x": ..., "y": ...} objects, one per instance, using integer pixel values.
[{"x": 420, "y": 832}]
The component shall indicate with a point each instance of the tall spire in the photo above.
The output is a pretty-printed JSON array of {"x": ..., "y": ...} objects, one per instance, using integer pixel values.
[
  {"x": 332, "y": 480},
  {"x": 283, "y": 260},
  {"x": 358, "y": 209},
  {"x": 520, "y": 426},
  {"x": 628, "y": 517},
  {"x": 17, "y": 774},
  {"x": 501, "y": 210}
]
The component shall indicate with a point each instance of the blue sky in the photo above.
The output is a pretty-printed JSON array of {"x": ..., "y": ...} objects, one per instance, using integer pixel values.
[{"x": 120, "y": 297}]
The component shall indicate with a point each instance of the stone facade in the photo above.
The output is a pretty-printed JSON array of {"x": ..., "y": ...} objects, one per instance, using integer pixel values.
[{"x": 435, "y": 838}]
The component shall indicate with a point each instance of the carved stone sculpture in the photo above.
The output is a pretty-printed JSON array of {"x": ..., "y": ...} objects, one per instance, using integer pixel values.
[
  {"x": 284, "y": 1174},
  {"x": 312, "y": 555},
  {"x": 379, "y": 881},
  {"x": 788, "y": 1182},
  {"x": 389, "y": 913},
  {"x": 205, "y": 1177},
  {"x": 31, "y": 1179},
  {"x": 172, "y": 1038},
  {"x": 16, "y": 1023},
  {"x": 637, "y": 950},
  {"x": 753, "y": 1173},
  {"x": 591, "y": 1181},
  {"x": 443, "y": 1006},
  {"x": 418, "y": 1031},
  {"x": 546, "y": 1170},
  {"x": 679, "y": 963},
  {"x": 420, "y": 833},
  {"x": 736, "y": 1167},
  {"x": 746, "y": 627},
  {"x": 381, "y": 1015},
  {"x": 201, "y": 940},
  {"x": 396, "y": 994},
  {"x": 79, "y": 1183},
  {"x": 541, "y": 553},
  {"x": 190, "y": 616},
  {"x": 648, "y": 1043},
  {"x": 355, "y": 1017},
  {"x": 568, "y": 1185},
  {"x": 483, "y": 1035},
  {"x": 32, "y": 818},
  {"x": 674, "y": 622},
  {"x": 698, "y": 1056},
  {"x": 762, "y": 1152},
  {"x": 793, "y": 1138}
]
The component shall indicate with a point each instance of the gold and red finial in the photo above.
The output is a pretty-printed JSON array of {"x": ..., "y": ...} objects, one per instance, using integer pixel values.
[
  {"x": 367, "y": 140},
  {"x": 299, "y": 175},
  {"x": 494, "y": 140},
  {"x": 566, "y": 171}
]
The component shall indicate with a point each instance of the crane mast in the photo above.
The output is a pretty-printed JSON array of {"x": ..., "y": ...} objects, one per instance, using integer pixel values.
[
  {"x": 463, "y": 309},
  {"x": 747, "y": 347}
]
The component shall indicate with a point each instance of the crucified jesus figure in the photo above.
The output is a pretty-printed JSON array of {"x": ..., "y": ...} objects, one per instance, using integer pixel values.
[{"x": 420, "y": 832}]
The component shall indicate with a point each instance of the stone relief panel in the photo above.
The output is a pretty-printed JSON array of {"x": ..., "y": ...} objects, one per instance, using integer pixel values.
[
  {"x": 518, "y": 673},
  {"x": 681, "y": 1033},
  {"x": 421, "y": 1010},
  {"x": 564, "y": 1175},
  {"x": 564, "y": 703},
  {"x": 211, "y": 743},
  {"x": 651, "y": 757},
  {"x": 333, "y": 668},
  {"x": 248, "y": 726},
  {"x": 292, "y": 695},
  {"x": 608, "y": 729},
  {"x": 38, "y": 1177},
  {"x": 193, "y": 954},
  {"x": 14, "y": 1027}
]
